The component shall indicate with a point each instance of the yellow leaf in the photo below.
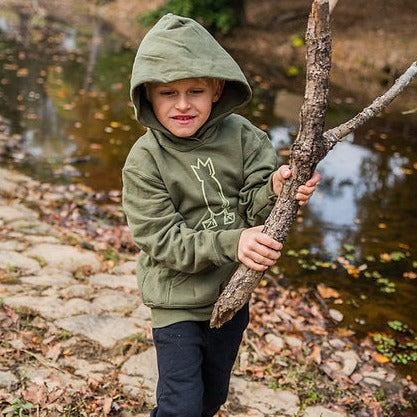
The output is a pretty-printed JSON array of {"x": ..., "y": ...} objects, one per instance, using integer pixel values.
[
  {"x": 407, "y": 171},
  {"x": 114, "y": 125},
  {"x": 382, "y": 226},
  {"x": 380, "y": 358},
  {"x": 327, "y": 292}
]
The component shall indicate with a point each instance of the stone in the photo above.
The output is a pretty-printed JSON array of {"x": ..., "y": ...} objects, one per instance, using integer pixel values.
[
  {"x": 16, "y": 212},
  {"x": 142, "y": 315},
  {"x": 275, "y": 341},
  {"x": 144, "y": 365},
  {"x": 55, "y": 280},
  {"x": 7, "y": 379},
  {"x": 114, "y": 281},
  {"x": 12, "y": 245},
  {"x": 139, "y": 375},
  {"x": 65, "y": 257},
  {"x": 126, "y": 268},
  {"x": 319, "y": 411},
  {"x": 293, "y": 342},
  {"x": 51, "y": 379},
  {"x": 106, "y": 330},
  {"x": 85, "y": 368},
  {"x": 350, "y": 361},
  {"x": 36, "y": 239},
  {"x": 31, "y": 226},
  {"x": 114, "y": 301},
  {"x": 11, "y": 260},
  {"x": 267, "y": 400},
  {"x": 50, "y": 307},
  {"x": 77, "y": 290},
  {"x": 336, "y": 315}
]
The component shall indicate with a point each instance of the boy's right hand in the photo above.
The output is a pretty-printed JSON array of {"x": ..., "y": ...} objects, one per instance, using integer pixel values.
[{"x": 257, "y": 250}]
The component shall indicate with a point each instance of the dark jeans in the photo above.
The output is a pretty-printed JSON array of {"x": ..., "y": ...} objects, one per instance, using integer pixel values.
[{"x": 194, "y": 365}]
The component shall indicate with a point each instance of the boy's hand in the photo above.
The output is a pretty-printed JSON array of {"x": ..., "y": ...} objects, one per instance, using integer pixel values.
[
  {"x": 304, "y": 192},
  {"x": 257, "y": 250}
]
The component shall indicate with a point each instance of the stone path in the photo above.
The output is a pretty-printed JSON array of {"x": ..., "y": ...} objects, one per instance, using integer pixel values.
[{"x": 41, "y": 274}]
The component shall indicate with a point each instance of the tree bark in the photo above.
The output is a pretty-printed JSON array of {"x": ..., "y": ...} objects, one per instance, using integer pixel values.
[{"x": 308, "y": 149}]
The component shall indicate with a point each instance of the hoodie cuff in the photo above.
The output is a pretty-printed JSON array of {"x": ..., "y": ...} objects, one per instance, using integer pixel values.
[{"x": 226, "y": 245}]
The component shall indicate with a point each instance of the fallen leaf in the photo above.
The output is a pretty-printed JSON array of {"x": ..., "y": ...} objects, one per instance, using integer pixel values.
[
  {"x": 107, "y": 403},
  {"x": 380, "y": 358},
  {"x": 327, "y": 292}
]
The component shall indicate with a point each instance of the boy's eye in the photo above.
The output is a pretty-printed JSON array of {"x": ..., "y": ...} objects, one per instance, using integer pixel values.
[
  {"x": 167, "y": 93},
  {"x": 197, "y": 91}
]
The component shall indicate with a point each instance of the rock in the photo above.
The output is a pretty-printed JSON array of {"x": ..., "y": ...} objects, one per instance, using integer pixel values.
[
  {"x": 77, "y": 290},
  {"x": 127, "y": 268},
  {"x": 336, "y": 315},
  {"x": 65, "y": 257},
  {"x": 350, "y": 361},
  {"x": 16, "y": 212},
  {"x": 143, "y": 365},
  {"x": 106, "y": 330},
  {"x": 267, "y": 400},
  {"x": 50, "y": 307},
  {"x": 55, "y": 280},
  {"x": 11, "y": 261},
  {"x": 114, "y": 281},
  {"x": 142, "y": 315},
  {"x": 31, "y": 227},
  {"x": 139, "y": 375},
  {"x": 86, "y": 368},
  {"x": 319, "y": 411},
  {"x": 12, "y": 245},
  {"x": 114, "y": 301},
  {"x": 7, "y": 379},
  {"x": 275, "y": 341},
  {"x": 293, "y": 342},
  {"x": 51, "y": 378}
]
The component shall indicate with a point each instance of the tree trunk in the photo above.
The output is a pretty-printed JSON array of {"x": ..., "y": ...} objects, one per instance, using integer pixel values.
[{"x": 308, "y": 149}]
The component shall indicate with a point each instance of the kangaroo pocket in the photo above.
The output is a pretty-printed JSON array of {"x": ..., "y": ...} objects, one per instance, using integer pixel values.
[{"x": 165, "y": 288}]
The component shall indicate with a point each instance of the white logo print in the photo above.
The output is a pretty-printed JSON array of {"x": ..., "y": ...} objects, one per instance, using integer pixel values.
[{"x": 210, "y": 185}]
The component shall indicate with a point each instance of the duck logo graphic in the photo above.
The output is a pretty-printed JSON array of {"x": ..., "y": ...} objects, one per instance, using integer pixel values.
[{"x": 217, "y": 204}]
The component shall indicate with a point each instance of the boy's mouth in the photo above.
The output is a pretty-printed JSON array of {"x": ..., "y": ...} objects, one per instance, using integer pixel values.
[{"x": 183, "y": 118}]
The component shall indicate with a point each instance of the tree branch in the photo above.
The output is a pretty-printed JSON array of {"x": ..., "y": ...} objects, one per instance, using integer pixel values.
[
  {"x": 302, "y": 164},
  {"x": 309, "y": 148}
]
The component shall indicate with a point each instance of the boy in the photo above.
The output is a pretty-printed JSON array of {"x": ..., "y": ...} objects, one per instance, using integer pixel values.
[{"x": 197, "y": 188}]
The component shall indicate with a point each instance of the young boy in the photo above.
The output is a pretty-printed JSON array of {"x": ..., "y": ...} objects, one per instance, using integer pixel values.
[{"x": 197, "y": 188}]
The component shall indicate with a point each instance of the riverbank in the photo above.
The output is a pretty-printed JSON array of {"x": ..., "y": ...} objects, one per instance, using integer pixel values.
[{"x": 76, "y": 339}]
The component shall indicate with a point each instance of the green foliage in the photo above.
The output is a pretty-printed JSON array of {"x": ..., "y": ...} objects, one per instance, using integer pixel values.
[
  {"x": 18, "y": 408},
  {"x": 213, "y": 14},
  {"x": 400, "y": 347}
]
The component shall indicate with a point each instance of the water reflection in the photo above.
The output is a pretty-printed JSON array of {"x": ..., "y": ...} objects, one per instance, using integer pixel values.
[{"x": 66, "y": 91}]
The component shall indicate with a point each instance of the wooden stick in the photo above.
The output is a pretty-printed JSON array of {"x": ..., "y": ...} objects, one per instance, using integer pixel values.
[
  {"x": 302, "y": 164},
  {"x": 305, "y": 155}
]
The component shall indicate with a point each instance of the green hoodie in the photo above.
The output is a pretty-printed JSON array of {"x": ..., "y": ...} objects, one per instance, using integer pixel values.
[{"x": 187, "y": 200}]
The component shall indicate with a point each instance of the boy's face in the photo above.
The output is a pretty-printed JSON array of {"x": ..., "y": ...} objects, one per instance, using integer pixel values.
[{"x": 183, "y": 106}]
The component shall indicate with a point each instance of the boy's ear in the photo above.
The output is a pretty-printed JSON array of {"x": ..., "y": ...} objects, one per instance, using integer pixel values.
[{"x": 219, "y": 90}]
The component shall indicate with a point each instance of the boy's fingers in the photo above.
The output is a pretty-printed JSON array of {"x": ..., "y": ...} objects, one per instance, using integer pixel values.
[
  {"x": 314, "y": 180},
  {"x": 305, "y": 190},
  {"x": 269, "y": 242},
  {"x": 283, "y": 172},
  {"x": 253, "y": 265}
]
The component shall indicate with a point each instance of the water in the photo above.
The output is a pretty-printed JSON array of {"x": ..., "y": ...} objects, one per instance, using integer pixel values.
[{"x": 65, "y": 90}]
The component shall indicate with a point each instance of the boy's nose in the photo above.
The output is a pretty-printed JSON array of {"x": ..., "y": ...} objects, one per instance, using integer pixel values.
[{"x": 182, "y": 103}]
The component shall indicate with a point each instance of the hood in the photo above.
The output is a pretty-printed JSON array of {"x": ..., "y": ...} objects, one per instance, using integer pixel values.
[{"x": 177, "y": 48}]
